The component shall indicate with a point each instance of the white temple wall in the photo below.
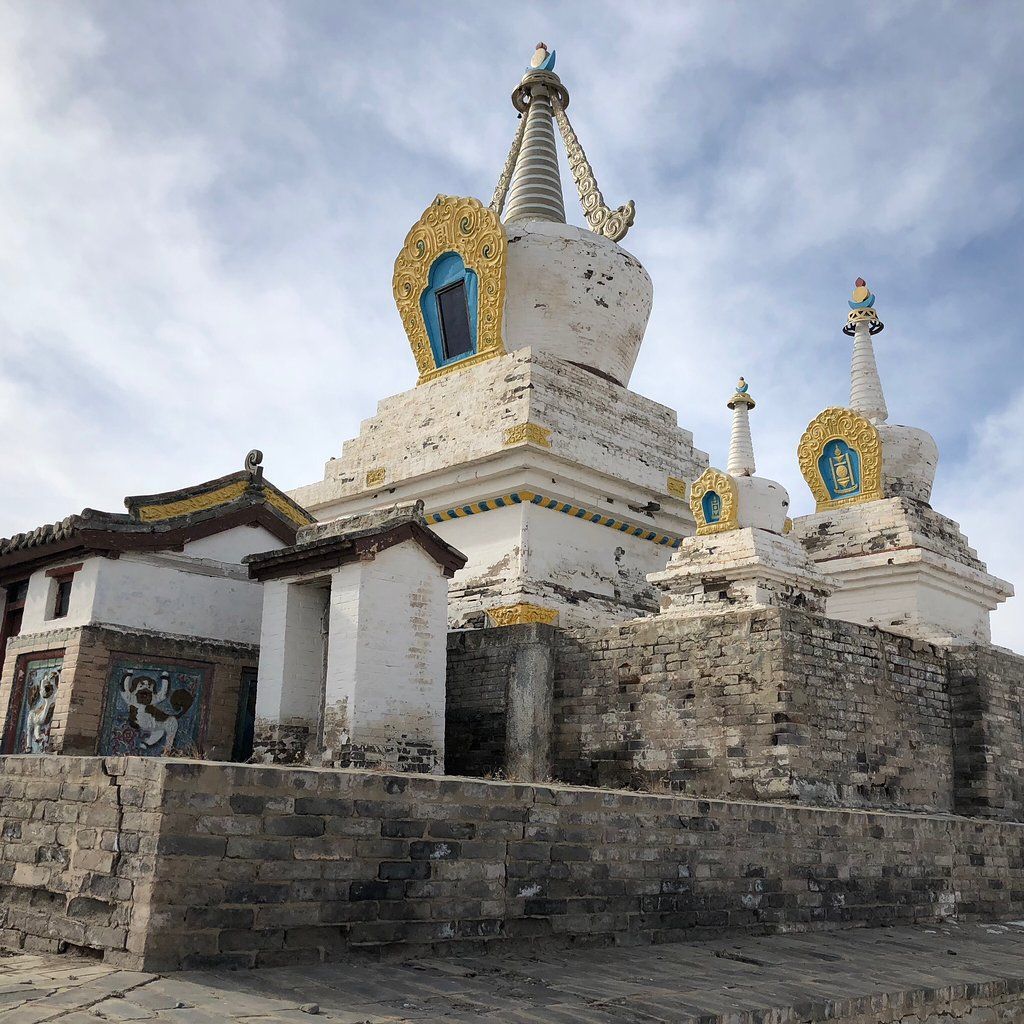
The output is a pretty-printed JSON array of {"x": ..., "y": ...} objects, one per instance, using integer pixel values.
[
  {"x": 492, "y": 576},
  {"x": 589, "y": 573},
  {"x": 910, "y": 599},
  {"x": 585, "y": 562},
  {"x": 208, "y": 595},
  {"x": 39, "y": 601},
  {"x": 234, "y": 544},
  {"x": 151, "y": 591}
]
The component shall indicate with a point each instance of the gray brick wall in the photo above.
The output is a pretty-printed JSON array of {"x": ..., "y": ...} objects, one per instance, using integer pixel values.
[
  {"x": 254, "y": 866},
  {"x": 765, "y": 704}
]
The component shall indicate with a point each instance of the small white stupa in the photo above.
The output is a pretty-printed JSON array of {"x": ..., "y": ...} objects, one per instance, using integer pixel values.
[
  {"x": 902, "y": 566},
  {"x": 743, "y": 555}
]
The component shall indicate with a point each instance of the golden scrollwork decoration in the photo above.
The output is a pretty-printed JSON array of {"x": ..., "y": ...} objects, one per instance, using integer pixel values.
[
  {"x": 714, "y": 480},
  {"x": 501, "y": 189},
  {"x": 838, "y": 424},
  {"x": 462, "y": 225},
  {"x": 528, "y": 433},
  {"x": 612, "y": 224},
  {"x": 524, "y": 612}
]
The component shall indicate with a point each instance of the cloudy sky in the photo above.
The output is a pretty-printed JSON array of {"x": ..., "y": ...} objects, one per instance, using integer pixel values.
[{"x": 200, "y": 204}]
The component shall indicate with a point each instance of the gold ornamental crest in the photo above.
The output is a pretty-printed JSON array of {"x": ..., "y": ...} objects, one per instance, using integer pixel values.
[
  {"x": 461, "y": 225},
  {"x": 840, "y": 455},
  {"x": 713, "y": 502}
]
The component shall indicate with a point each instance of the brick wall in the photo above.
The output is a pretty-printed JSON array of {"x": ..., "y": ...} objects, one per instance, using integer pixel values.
[
  {"x": 476, "y": 699},
  {"x": 77, "y": 853},
  {"x": 987, "y": 689},
  {"x": 773, "y": 704},
  {"x": 765, "y": 704},
  {"x": 87, "y": 651},
  {"x": 247, "y": 865}
]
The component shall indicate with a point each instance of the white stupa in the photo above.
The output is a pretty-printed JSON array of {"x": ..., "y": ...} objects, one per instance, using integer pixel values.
[
  {"x": 902, "y": 566},
  {"x": 531, "y": 454},
  {"x": 743, "y": 555}
]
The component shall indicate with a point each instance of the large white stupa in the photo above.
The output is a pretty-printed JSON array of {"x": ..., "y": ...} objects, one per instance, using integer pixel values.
[{"x": 531, "y": 454}]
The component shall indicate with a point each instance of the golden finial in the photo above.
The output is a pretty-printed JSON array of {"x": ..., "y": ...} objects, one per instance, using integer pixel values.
[{"x": 741, "y": 395}]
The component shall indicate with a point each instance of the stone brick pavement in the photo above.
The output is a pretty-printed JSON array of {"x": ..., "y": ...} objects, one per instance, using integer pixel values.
[{"x": 969, "y": 973}]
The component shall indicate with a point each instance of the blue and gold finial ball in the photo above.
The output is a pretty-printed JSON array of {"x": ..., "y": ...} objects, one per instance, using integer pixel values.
[
  {"x": 542, "y": 60},
  {"x": 862, "y": 297},
  {"x": 741, "y": 396}
]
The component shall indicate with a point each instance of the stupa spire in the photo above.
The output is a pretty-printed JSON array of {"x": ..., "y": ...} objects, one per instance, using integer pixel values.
[
  {"x": 866, "y": 395},
  {"x": 536, "y": 188},
  {"x": 741, "y": 448},
  {"x": 530, "y": 181}
]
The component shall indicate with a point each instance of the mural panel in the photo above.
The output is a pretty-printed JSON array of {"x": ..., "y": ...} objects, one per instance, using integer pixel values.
[
  {"x": 37, "y": 679},
  {"x": 154, "y": 707}
]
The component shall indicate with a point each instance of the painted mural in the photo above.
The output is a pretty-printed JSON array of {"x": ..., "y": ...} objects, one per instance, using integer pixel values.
[
  {"x": 40, "y": 681},
  {"x": 153, "y": 707}
]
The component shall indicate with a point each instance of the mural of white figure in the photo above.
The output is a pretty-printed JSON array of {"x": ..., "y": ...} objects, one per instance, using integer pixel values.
[
  {"x": 42, "y": 696},
  {"x": 156, "y": 725}
]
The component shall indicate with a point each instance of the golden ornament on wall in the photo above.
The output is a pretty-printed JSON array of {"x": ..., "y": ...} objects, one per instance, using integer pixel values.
[
  {"x": 461, "y": 225},
  {"x": 519, "y": 614}
]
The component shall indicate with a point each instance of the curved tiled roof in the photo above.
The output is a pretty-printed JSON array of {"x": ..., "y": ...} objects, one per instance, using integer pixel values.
[
  {"x": 40, "y": 536},
  {"x": 169, "y": 519}
]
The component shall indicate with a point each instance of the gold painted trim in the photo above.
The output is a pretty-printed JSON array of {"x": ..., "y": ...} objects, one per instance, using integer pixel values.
[
  {"x": 838, "y": 424},
  {"x": 677, "y": 487},
  {"x": 376, "y": 476},
  {"x": 518, "y": 614},
  {"x": 465, "y": 226},
  {"x": 199, "y": 503},
  {"x": 287, "y": 509},
  {"x": 722, "y": 484},
  {"x": 528, "y": 433}
]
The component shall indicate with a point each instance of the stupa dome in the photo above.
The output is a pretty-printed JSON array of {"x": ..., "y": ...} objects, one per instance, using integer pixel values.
[
  {"x": 576, "y": 294},
  {"x": 910, "y": 457}
]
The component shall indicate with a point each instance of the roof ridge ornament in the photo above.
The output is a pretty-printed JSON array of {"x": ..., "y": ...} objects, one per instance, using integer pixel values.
[
  {"x": 530, "y": 175},
  {"x": 254, "y": 465}
]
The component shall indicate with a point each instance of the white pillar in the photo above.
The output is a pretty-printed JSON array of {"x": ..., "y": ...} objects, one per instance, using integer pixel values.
[
  {"x": 291, "y": 667},
  {"x": 865, "y": 385},
  {"x": 384, "y": 698}
]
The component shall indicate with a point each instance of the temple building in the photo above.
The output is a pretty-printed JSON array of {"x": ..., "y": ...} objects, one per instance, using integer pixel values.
[
  {"x": 138, "y": 633},
  {"x": 532, "y": 456}
]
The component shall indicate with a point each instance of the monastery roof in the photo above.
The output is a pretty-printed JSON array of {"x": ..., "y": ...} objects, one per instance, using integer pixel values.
[
  {"x": 324, "y": 546},
  {"x": 163, "y": 521}
]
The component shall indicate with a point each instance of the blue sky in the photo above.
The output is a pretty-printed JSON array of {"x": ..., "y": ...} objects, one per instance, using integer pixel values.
[{"x": 200, "y": 205}]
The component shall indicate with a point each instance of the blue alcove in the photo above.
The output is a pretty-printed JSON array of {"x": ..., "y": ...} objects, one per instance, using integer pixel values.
[
  {"x": 451, "y": 289},
  {"x": 711, "y": 506}
]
